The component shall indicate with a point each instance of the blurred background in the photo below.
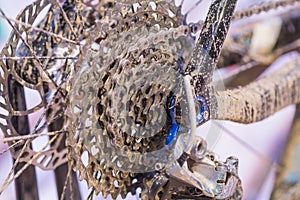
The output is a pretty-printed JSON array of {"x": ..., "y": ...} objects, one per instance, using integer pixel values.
[{"x": 258, "y": 146}]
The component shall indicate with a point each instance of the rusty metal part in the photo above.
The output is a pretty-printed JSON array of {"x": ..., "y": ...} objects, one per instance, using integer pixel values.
[{"x": 109, "y": 98}]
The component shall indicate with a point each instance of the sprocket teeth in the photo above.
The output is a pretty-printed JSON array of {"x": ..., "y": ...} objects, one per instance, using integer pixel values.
[{"x": 150, "y": 44}]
